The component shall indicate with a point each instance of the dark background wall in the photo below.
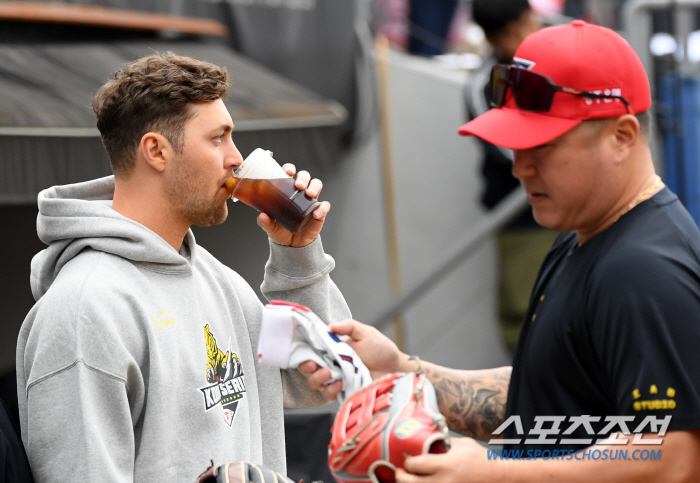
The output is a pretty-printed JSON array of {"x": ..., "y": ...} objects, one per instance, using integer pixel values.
[{"x": 18, "y": 246}]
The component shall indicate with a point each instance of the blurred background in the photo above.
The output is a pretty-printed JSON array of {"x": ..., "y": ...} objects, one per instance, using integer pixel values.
[{"x": 366, "y": 95}]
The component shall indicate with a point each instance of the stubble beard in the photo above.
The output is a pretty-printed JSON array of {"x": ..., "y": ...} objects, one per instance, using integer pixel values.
[{"x": 187, "y": 193}]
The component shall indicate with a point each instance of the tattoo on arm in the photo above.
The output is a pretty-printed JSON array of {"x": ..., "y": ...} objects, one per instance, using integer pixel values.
[{"x": 473, "y": 402}]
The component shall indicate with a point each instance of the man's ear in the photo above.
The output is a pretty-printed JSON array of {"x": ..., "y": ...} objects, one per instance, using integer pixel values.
[
  {"x": 156, "y": 150},
  {"x": 626, "y": 132}
]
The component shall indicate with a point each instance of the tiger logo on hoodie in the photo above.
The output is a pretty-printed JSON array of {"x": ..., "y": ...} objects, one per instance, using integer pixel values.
[{"x": 224, "y": 372}]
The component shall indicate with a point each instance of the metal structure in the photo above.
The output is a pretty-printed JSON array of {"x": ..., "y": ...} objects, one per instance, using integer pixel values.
[
  {"x": 497, "y": 218},
  {"x": 674, "y": 74}
]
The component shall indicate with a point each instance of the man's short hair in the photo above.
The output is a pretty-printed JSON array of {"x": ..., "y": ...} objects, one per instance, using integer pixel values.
[
  {"x": 493, "y": 15},
  {"x": 152, "y": 94},
  {"x": 644, "y": 119}
]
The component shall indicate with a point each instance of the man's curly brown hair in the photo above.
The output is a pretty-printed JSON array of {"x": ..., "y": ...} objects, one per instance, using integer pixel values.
[{"x": 153, "y": 94}]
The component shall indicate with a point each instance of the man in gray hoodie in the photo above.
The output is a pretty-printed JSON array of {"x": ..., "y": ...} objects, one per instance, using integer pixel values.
[{"x": 138, "y": 360}]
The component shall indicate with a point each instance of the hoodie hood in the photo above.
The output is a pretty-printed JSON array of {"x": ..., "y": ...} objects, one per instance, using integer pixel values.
[{"x": 78, "y": 216}]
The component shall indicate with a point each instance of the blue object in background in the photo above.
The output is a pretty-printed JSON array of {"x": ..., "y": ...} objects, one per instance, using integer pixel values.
[
  {"x": 678, "y": 106},
  {"x": 430, "y": 22}
]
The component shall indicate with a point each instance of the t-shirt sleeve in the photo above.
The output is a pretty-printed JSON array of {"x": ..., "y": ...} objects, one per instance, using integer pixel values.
[{"x": 645, "y": 316}]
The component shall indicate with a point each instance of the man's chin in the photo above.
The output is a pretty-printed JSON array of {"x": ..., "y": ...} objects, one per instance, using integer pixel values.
[
  {"x": 541, "y": 218},
  {"x": 215, "y": 217}
]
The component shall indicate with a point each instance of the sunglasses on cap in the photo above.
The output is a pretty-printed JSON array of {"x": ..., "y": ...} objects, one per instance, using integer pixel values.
[{"x": 532, "y": 91}]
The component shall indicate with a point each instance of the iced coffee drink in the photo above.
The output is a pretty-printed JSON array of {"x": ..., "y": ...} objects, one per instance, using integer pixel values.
[{"x": 262, "y": 183}]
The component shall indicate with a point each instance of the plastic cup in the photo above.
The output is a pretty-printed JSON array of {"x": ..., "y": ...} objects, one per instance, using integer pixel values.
[{"x": 260, "y": 182}]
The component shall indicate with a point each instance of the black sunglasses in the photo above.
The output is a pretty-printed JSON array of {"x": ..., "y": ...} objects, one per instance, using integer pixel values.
[{"x": 532, "y": 91}]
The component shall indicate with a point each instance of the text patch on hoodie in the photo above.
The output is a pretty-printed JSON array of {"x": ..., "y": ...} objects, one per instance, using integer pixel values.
[{"x": 225, "y": 373}]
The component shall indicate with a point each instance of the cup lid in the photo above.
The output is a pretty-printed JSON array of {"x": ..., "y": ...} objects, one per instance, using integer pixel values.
[{"x": 260, "y": 165}]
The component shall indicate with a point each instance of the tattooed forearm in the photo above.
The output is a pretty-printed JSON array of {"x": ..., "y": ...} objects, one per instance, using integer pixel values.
[{"x": 473, "y": 402}]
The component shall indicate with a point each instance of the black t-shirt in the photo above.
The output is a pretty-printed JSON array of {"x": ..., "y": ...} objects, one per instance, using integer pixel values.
[{"x": 613, "y": 329}]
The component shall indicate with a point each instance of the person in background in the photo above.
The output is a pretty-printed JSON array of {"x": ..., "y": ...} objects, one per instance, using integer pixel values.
[
  {"x": 429, "y": 26},
  {"x": 522, "y": 244}
]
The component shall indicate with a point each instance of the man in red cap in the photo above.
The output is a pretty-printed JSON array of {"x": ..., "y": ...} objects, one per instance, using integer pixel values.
[{"x": 607, "y": 366}]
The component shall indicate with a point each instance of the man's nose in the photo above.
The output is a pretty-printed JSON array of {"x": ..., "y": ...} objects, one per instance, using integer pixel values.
[
  {"x": 523, "y": 165},
  {"x": 233, "y": 158}
]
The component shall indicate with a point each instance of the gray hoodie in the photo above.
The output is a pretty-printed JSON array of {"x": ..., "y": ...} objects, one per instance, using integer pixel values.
[{"x": 137, "y": 362}]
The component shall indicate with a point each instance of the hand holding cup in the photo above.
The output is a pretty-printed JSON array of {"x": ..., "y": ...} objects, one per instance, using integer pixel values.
[{"x": 290, "y": 213}]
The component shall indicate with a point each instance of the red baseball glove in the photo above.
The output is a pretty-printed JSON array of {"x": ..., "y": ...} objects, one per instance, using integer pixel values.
[{"x": 379, "y": 426}]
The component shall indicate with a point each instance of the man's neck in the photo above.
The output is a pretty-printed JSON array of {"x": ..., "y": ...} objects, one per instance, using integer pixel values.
[
  {"x": 646, "y": 187},
  {"x": 149, "y": 207}
]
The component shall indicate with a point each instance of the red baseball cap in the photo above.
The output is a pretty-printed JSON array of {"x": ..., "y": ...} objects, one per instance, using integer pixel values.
[{"x": 579, "y": 55}]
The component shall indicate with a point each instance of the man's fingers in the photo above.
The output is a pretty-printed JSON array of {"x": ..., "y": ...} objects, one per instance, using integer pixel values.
[
  {"x": 422, "y": 464},
  {"x": 322, "y": 210},
  {"x": 265, "y": 222},
  {"x": 308, "y": 367},
  {"x": 302, "y": 180},
  {"x": 314, "y": 188},
  {"x": 319, "y": 378},
  {"x": 344, "y": 327},
  {"x": 404, "y": 477},
  {"x": 330, "y": 392},
  {"x": 351, "y": 329}
]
